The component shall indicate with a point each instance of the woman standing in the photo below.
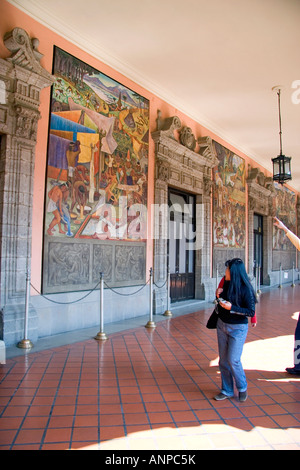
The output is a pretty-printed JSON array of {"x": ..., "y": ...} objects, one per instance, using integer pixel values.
[{"x": 237, "y": 302}]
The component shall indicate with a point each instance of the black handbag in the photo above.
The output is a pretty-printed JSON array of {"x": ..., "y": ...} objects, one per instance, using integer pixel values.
[{"x": 213, "y": 319}]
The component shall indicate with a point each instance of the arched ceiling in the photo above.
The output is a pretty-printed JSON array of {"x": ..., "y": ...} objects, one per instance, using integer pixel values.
[{"x": 215, "y": 60}]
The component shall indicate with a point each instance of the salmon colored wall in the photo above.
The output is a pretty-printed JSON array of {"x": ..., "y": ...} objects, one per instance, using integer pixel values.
[{"x": 11, "y": 17}]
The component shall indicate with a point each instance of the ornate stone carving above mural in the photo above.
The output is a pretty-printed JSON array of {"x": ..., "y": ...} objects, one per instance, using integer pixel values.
[
  {"x": 177, "y": 161},
  {"x": 260, "y": 191},
  {"x": 163, "y": 170},
  {"x": 187, "y": 138},
  {"x": 26, "y": 123},
  {"x": 168, "y": 125}
]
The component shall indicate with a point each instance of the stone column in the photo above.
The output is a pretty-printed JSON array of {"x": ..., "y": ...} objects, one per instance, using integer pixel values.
[
  {"x": 205, "y": 284},
  {"x": 21, "y": 80}
]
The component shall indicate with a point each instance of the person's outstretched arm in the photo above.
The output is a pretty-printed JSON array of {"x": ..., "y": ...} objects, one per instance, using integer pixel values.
[{"x": 291, "y": 236}]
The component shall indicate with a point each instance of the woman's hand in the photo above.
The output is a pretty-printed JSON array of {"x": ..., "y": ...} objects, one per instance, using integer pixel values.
[
  {"x": 218, "y": 292},
  {"x": 225, "y": 304},
  {"x": 280, "y": 224}
]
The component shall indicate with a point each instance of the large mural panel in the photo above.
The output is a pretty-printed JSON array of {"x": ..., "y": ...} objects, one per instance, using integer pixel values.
[
  {"x": 229, "y": 200},
  {"x": 97, "y": 155},
  {"x": 96, "y": 181}
]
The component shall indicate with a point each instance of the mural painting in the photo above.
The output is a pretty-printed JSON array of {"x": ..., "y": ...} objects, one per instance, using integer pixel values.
[
  {"x": 229, "y": 202},
  {"x": 97, "y": 156},
  {"x": 284, "y": 207}
]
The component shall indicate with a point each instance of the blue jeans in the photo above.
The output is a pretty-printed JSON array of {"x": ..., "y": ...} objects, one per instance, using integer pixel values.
[
  {"x": 297, "y": 345},
  {"x": 231, "y": 339}
]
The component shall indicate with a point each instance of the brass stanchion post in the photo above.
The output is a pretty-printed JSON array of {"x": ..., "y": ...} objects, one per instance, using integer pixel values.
[
  {"x": 280, "y": 277},
  {"x": 168, "y": 312},
  {"x": 255, "y": 280},
  {"x": 25, "y": 343},
  {"x": 293, "y": 275},
  {"x": 151, "y": 323},
  {"x": 258, "y": 280},
  {"x": 101, "y": 336}
]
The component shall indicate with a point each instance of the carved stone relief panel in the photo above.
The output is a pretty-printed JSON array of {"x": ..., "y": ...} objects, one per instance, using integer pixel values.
[
  {"x": 66, "y": 265},
  {"x": 130, "y": 263},
  {"x": 102, "y": 262},
  {"x": 77, "y": 265},
  {"x": 221, "y": 255}
]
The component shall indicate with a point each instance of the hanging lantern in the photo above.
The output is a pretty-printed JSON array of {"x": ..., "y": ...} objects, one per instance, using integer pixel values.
[
  {"x": 281, "y": 169},
  {"x": 281, "y": 163}
]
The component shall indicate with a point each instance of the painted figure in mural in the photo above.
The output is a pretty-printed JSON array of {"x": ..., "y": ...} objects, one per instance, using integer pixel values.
[
  {"x": 57, "y": 196},
  {"x": 296, "y": 242},
  {"x": 72, "y": 155},
  {"x": 237, "y": 303},
  {"x": 66, "y": 219},
  {"x": 80, "y": 193},
  {"x": 79, "y": 197}
]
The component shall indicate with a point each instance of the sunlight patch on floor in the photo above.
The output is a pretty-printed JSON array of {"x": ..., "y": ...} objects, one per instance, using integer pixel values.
[
  {"x": 272, "y": 354},
  {"x": 203, "y": 437}
]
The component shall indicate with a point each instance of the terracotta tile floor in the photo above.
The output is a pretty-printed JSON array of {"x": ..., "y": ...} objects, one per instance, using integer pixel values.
[{"x": 153, "y": 389}]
